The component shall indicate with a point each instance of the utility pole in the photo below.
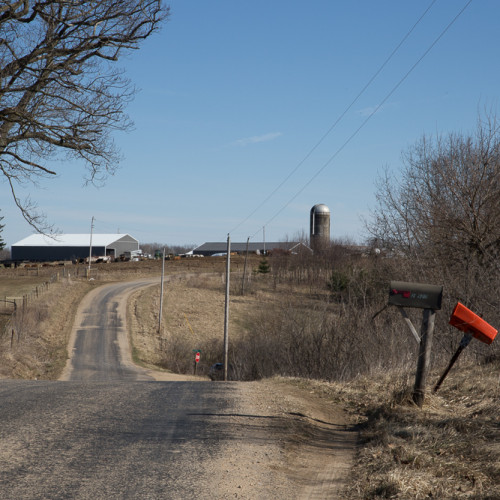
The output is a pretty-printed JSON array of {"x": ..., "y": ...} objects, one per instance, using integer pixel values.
[
  {"x": 161, "y": 292},
  {"x": 90, "y": 250},
  {"x": 264, "y": 237},
  {"x": 244, "y": 269},
  {"x": 226, "y": 309}
]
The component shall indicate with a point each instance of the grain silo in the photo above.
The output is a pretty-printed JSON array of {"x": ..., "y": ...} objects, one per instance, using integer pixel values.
[{"x": 320, "y": 226}]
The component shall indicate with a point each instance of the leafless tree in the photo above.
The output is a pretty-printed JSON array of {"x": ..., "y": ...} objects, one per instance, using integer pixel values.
[
  {"x": 443, "y": 211},
  {"x": 60, "y": 89}
]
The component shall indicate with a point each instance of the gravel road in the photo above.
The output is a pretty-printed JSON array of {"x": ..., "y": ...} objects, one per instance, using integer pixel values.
[
  {"x": 139, "y": 440},
  {"x": 109, "y": 431},
  {"x": 99, "y": 344}
]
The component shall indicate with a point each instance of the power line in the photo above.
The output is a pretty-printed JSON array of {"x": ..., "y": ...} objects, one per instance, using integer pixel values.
[
  {"x": 349, "y": 139},
  {"x": 340, "y": 117}
]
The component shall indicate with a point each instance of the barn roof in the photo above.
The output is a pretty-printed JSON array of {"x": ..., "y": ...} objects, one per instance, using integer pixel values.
[
  {"x": 71, "y": 240},
  {"x": 217, "y": 246}
]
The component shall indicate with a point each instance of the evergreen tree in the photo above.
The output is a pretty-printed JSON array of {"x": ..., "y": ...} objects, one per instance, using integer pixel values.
[{"x": 264, "y": 267}]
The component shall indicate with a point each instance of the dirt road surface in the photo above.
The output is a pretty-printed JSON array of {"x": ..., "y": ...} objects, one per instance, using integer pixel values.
[{"x": 114, "y": 430}]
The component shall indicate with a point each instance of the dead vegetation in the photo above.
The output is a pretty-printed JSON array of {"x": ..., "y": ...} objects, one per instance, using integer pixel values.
[
  {"x": 448, "y": 449},
  {"x": 288, "y": 324},
  {"x": 33, "y": 344},
  {"x": 34, "y": 335},
  {"x": 323, "y": 337},
  {"x": 33, "y": 341}
]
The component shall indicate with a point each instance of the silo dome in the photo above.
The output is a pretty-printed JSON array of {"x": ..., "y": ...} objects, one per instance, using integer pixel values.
[{"x": 320, "y": 208}]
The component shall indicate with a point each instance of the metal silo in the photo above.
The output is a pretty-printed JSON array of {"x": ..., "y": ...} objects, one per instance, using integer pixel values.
[{"x": 320, "y": 226}]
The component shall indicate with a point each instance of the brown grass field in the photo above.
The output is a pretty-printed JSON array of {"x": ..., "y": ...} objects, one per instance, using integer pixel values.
[{"x": 449, "y": 449}]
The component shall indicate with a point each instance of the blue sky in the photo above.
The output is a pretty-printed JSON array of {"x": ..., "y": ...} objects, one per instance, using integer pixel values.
[{"x": 234, "y": 95}]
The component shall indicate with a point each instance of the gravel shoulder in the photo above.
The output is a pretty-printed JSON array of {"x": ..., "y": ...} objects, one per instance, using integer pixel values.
[
  {"x": 308, "y": 446},
  {"x": 307, "y": 454}
]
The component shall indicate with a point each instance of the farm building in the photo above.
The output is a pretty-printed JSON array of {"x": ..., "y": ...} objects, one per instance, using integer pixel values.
[
  {"x": 39, "y": 247},
  {"x": 214, "y": 248}
]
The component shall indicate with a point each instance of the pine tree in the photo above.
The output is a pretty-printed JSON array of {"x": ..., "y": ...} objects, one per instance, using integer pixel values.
[{"x": 264, "y": 267}]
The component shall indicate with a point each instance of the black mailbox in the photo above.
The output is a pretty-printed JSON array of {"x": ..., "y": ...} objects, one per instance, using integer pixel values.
[{"x": 419, "y": 295}]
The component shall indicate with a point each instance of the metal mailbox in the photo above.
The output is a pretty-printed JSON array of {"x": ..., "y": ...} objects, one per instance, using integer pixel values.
[{"x": 423, "y": 296}]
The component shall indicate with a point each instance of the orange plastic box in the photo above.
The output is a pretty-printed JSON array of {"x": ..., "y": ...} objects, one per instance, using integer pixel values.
[{"x": 467, "y": 321}]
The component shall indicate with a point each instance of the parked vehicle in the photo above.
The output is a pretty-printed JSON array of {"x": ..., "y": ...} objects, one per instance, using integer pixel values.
[{"x": 216, "y": 372}]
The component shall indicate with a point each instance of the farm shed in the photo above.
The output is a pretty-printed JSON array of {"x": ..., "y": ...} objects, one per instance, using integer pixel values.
[
  {"x": 212, "y": 248},
  {"x": 39, "y": 247}
]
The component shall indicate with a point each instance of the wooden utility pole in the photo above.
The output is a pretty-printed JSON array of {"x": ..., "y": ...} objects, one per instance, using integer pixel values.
[
  {"x": 244, "y": 269},
  {"x": 226, "y": 308},
  {"x": 161, "y": 292},
  {"x": 424, "y": 355},
  {"x": 90, "y": 249}
]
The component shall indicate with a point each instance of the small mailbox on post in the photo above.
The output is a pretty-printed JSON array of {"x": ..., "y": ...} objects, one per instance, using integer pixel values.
[
  {"x": 422, "y": 296},
  {"x": 418, "y": 295}
]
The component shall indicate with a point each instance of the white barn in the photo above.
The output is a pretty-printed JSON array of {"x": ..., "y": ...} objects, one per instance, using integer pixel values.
[{"x": 39, "y": 247}]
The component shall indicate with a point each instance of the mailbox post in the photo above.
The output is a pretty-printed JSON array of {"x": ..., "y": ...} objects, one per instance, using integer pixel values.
[
  {"x": 424, "y": 356},
  {"x": 426, "y": 297}
]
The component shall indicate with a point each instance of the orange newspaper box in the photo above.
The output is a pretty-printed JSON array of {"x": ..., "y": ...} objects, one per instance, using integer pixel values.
[
  {"x": 473, "y": 326},
  {"x": 468, "y": 322}
]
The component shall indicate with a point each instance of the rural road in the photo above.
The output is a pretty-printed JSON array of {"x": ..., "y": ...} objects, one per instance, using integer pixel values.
[
  {"x": 108, "y": 430},
  {"x": 98, "y": 346}
]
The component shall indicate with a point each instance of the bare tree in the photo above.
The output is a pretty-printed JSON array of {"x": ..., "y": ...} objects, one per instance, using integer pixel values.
[
  {"x": 60, "y": 90},
  {"x": 443, "y": 211}
]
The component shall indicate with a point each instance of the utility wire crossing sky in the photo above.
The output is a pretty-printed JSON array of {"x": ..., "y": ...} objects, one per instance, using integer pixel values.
[{"x": 234, "y": 102}]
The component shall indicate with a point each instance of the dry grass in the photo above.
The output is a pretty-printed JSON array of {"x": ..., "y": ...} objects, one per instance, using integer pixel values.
[
  {"x": 38, "y": 348},
  {"x": 193, "y": 318},
  {"x": 448, "y": 449},
  {"x": 34, "y": 344}
]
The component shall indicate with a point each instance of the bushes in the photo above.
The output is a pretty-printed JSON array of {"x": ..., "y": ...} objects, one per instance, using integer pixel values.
[
  {"x": 312, "y": 317},
  {"x": 322, "y": 341},
  {"x": 324, "y": 328}
]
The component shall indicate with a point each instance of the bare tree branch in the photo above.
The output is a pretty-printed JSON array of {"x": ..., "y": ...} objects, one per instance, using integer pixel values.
[
  {"x": 60, "y": 92},
  {"x": 443, "y": 210}
]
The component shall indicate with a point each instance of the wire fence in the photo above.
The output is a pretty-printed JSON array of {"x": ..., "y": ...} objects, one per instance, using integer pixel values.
[{"x": 11, "y": 307}]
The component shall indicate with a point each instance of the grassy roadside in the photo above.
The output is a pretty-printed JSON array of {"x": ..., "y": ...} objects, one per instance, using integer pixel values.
[
  {"x": 34, "y": 343},
  {"x": 38, "y": 347},
  {"x": 449, "y": 449}
]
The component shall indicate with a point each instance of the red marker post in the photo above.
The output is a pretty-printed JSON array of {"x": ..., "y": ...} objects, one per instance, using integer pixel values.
[{"x": 197, "y": 353}]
